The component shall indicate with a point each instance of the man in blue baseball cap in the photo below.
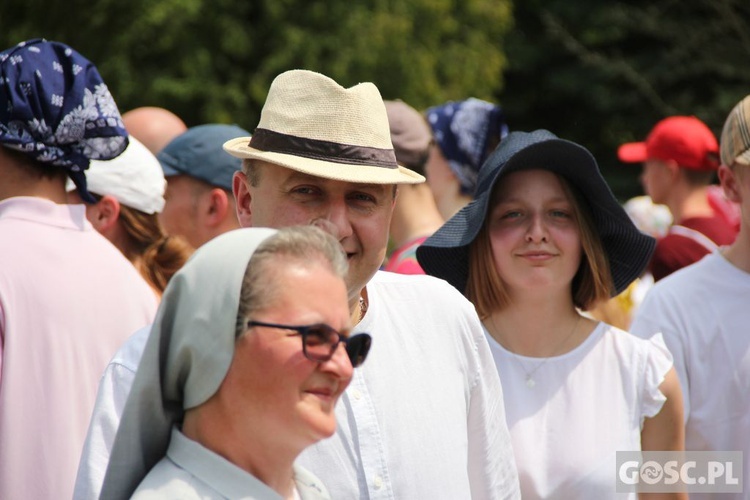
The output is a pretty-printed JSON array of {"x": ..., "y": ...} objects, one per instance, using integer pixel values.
[{"x": 199, "y": 202}]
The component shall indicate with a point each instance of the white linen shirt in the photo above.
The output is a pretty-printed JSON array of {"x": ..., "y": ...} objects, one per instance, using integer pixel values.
[
  {"x": 114, "y": 387},
  {"x": 424, "y": 416}
]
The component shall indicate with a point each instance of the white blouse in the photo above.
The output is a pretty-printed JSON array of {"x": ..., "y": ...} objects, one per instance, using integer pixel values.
[{"x": 582, "y": 407}]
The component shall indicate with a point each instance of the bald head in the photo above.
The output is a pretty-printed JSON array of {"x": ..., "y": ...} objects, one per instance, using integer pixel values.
[{"x": 154, "y": 127}]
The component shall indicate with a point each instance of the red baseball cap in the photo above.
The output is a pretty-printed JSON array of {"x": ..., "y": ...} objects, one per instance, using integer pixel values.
[{"x": 684, "y": 139}]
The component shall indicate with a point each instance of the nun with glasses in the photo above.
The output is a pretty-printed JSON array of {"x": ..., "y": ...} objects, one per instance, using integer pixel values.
[
  {"x": 245, "y": 362},
  {"x": 543, "y": 240}
]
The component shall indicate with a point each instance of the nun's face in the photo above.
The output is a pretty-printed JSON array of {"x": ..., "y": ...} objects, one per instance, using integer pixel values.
[
  {"x": 534, "y": 234},
  {"x": 276, "y": 391}
]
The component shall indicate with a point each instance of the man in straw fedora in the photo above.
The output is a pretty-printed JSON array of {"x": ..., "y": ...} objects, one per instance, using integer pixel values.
[
  {"x": 702, "y": 312},
  {"x": 424, "y": 418}
]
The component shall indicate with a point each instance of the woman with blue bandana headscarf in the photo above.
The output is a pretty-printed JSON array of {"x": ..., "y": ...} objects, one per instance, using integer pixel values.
[
  {"x": 68, "y": 297},
  {"x": 465, "y": 132}
]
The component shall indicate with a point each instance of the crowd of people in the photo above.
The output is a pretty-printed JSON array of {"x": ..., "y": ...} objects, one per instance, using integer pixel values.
[{"x": 357, "y": 299}]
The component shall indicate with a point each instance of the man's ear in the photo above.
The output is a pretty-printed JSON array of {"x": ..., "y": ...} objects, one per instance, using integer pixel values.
[
  {"x": 218, "y": 206},
  {"x": 673, "y": 168},
  {"x": 242, "y": 198},
  {"x": 104, "y": 214},
  {"x": 728, "y": 181}
]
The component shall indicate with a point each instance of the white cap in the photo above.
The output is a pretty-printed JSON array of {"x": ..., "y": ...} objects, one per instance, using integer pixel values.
[{"x": 134, "y": 178}]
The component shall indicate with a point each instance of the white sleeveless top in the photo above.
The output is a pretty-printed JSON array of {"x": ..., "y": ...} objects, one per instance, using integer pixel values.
[{"x": 584, "y": 406}]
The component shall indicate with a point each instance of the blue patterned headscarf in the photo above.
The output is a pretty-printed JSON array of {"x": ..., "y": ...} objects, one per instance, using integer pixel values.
[
  {"x": 463, "y": 130},
  {"x": 55, "y": 108}
]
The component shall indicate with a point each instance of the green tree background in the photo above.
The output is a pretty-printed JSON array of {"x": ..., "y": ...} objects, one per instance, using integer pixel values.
[
  {"x": 598, "y": 73},
  {"x": 603, "y": 73}
]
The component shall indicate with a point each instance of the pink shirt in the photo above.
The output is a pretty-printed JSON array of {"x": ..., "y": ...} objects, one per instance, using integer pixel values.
[{"x": 68, "y": 299}]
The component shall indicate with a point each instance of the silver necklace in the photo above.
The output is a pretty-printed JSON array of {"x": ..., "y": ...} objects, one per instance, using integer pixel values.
[{"x": 530, "y": 382}]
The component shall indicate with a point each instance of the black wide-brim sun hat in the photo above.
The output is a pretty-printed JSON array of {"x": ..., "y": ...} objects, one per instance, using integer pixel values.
[{"x": 445, "y": 254}]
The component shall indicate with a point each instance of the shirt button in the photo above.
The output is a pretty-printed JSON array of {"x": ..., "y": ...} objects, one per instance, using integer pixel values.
[
  {"x": 356, "y": 394},
  {"x": 378, "y": 482}
]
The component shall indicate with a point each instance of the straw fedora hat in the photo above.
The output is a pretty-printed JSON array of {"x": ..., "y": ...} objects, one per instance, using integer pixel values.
[
  {"x": 445, "y": 254},
  {"x": 313, "y": 125}
]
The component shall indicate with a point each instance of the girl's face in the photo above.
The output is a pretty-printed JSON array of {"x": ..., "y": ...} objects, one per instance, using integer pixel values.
[{"x": 534, "y": 234}]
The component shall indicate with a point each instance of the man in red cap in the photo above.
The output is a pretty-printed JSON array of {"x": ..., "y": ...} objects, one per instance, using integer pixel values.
[
  {"x": 415, "y": 215},
  {"x": 680, "y": 157}
]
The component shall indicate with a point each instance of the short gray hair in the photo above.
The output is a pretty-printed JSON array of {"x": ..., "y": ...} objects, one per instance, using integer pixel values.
[
  {"x": 305, "y": 245},
  {"x": 251, "y": 169}
]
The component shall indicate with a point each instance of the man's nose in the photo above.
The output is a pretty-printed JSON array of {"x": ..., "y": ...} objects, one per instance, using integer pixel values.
[{"x": 335, "y": 220}]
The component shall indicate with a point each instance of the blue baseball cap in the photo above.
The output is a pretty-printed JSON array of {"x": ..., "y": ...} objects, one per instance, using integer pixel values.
[{"x": 198, "y": 153}]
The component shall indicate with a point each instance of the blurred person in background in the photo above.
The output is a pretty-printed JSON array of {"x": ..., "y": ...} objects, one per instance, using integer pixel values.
[
  {"x": 153, "y": 126},
  {"x": 199, "y": 202},
  {"x": 680, "y": 157},
  {"x": 465, "y": 133},
  {"x": 68, "y": 297},
  {"x": 654, "y": 220},
  {"x": 415, "y": 215},
  {"x": 130, "y": 194},
  {"x": 702, "y": 311}
]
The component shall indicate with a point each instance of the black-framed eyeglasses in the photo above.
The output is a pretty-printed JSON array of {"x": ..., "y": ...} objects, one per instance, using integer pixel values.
[{"x": 319, "y": 341}]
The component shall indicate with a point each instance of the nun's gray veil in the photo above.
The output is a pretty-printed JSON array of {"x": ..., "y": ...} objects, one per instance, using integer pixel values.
[{"x": 186, "y": 357}]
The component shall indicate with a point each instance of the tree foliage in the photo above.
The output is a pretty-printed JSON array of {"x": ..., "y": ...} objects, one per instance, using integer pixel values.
[
  {"x": 213, "y": 61},
  {"x": 598, "y": 73},
  {"x": 603, "y": 73}
]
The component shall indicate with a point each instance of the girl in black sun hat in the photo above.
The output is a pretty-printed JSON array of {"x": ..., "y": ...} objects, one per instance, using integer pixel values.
[{"x": 544, "y": 239}]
